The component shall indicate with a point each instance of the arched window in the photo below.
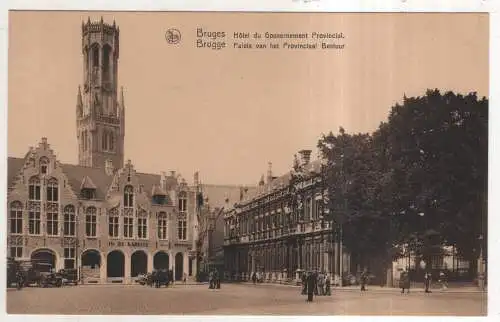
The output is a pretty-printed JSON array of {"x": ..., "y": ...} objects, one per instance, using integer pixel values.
[
  {"x": 162, "y": 226},
  {"x": 104, "y": 140},
  {"x": 34, "y": 189},
  {"x": 91, "y": 222},
  {"x": 95, "y": 56},
  {"x": 182, "y": 201},
  {"x": 52, "y": 190},
  {"x": 128, "y": 197},
  {"x": 111, "y": 138},
  {"x": 113, "y": 223},
  {"x": 106, "y": 62},
  {"x": 16, "y": 217},
  {"x": 69, "y": 220}
]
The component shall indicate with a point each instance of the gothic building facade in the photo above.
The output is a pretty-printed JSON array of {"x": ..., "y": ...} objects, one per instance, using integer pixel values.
[
  {"x": 101, "y": 216},
  {"x": 281, "y": 228}
]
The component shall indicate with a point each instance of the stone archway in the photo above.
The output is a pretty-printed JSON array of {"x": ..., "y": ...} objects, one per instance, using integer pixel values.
[
  {"x": 91, "y": 263},
  {"x": 138, "y": 263},
  {"x": 161, "y": 260},
  {"x": 179, "y": 266},
  {"x": 115, "y": 263},
  {"x": 45, "y": 259}
]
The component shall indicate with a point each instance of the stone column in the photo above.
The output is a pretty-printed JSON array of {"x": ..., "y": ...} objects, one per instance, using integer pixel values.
[
  {"x": 185, "y": 265},
  {"x": 150, "y": 263},
  {"x": 128, "y": 269},
  {"x": 194, "y": 267},
  {"x": 171, "y": 261},
  {"x": 103, "y": 270}
]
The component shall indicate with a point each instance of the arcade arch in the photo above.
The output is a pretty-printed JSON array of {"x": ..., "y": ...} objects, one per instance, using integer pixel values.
[
  {"x": 115, "y": 263},
  {"x": 139, "y": 263},
  {"x": 161, "y": 260},
  {"x": 47, "y": 259}
]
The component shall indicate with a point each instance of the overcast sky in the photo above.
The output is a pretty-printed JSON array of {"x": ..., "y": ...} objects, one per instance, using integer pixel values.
[{"x": 228, "y": 113}]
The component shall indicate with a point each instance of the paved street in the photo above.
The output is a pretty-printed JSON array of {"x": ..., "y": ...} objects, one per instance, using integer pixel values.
[{"x": 236, "y": 299}]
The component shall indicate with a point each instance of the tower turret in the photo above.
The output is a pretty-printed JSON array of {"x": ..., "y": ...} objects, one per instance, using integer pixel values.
[{"x": 100, "y": 116}]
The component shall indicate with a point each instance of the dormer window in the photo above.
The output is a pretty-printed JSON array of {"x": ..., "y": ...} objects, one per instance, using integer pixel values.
[
  {"x": 159, "y": 196},
  {"x": 87, "y": 189}
]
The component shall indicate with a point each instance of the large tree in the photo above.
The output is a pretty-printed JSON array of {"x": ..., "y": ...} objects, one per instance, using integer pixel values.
[
  {"x": 351, "y": 172},
  {"x": 437, "y": 147},
  {"x": 420, "y": 179}
]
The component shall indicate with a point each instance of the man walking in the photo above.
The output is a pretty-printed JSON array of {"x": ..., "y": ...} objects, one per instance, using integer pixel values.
[
  {"x": 303, "y": 277},
  {"x": 364, "y": 279},
  {"x": 328, "y": 289},
  {"x": 311, "y": 285},
  {"x": 427, "y": 281}
]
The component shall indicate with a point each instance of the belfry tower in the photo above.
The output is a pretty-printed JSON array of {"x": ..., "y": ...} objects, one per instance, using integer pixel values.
[{"x": 100, "y": 114}]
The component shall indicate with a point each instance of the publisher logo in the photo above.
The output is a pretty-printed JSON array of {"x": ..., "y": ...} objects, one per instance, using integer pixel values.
[{"x": 173, "y": 36}]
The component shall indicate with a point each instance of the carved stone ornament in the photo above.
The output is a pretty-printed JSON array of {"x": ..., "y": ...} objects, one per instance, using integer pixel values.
[
  {"x": 15, "y": 240},
  {"x": 69, "y": 241}
]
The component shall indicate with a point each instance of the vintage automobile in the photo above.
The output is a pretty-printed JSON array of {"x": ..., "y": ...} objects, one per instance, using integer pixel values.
[
  {"x": 49, "y": 279},
  {"x": 69, "y": 276},
  {"x": 144, "y": 279}
]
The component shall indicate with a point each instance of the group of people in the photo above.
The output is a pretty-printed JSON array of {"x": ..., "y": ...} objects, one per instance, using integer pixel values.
[
  {"x": 161, "y": 277},
  {"x": 404, "y": 281},
  {"x": 214, "y": 280},
  {"x": 315, "y": 283}
]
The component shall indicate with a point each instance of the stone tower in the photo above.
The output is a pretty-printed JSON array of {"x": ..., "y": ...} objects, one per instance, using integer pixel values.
[{"x": 100, "y": 113}]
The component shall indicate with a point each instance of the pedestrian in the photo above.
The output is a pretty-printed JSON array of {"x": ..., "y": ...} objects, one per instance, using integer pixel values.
[
  {"x": 427, "y": 281},
  {"x": 184, "y": 278},
  {"x": 364, "y": 279},
  {"x": 254, "y": 278},
  {"x": 321, "y": 284},
  {"x": 443, "y": 280},
  {"x": 311, "y": 285},
  {"x": 404, "y": 282},
  {"x": 303, "y": 277},
  {"x": 211, "y": 280},
  {"x": 315, "y": 278},
  {"x": 217, "y": 279},
  {"x": 328, "y": 285}
]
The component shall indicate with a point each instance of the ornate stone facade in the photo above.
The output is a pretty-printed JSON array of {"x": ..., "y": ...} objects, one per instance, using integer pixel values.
[
  {"x": 281, "y": 228},
  {"x": 111, "y": 224}
]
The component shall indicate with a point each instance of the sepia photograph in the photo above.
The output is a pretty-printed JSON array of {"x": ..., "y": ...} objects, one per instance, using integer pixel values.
[{"x": 247, "y": 163}]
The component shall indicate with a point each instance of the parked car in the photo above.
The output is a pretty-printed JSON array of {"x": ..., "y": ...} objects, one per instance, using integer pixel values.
[{"x": 69, "y": 276}]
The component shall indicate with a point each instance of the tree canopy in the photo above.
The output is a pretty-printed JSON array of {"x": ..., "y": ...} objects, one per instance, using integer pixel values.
[{"x": 421, "y": 177}]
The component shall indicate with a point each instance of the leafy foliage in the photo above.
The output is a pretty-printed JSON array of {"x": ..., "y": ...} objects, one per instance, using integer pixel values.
[{"x": 420, "y": 178}]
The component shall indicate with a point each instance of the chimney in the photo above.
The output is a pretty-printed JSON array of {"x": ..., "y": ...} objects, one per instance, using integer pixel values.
[
  {"x": 163, "y": 180},
  {"x": 305, "y": 156},
  {"x": 269, "y": 172},
  {"x": 108, "y": 167}
]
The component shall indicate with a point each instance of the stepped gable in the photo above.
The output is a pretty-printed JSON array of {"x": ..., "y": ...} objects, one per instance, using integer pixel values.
[{"x": 94, "y": 178}]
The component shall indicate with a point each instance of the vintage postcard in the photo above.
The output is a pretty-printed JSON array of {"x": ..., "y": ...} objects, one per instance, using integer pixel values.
[{"x": 247, "y": 163}]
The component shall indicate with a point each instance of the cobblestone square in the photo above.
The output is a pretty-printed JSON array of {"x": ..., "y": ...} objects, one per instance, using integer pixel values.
[{"x": 234, "y": 299}]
